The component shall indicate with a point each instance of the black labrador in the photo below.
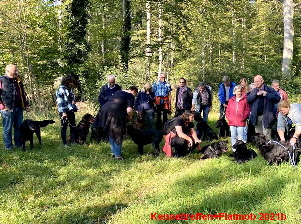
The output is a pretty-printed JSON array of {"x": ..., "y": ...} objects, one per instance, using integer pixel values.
[{"x": 29, "y": 127}]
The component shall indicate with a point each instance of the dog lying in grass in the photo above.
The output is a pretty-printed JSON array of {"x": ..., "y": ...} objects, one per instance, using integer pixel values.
[
  {"x": 224, "y": 129},
  {"x": 214, "y": 150},
  {"x": 29, "y": 127},
  {"x": 83, "y": 127},
  {"x": 276, "y": 152},
  {"x": 242, "y": 153},
  {"x": 144, "y": 137}
]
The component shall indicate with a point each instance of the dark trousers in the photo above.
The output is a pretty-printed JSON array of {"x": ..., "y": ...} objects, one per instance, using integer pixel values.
[
  {"x": 64, "y": 125},
  {"x": 222, "y": 109},
  {"x": 159, "y": 110},
  {"x": 181, "y": 146}
]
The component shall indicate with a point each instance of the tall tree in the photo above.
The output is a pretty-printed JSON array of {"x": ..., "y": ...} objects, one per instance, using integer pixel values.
[
  {"x": 126, "y": 35},
  {"x": 288, "y": 14},
  {"x": 77, "y": 47}
]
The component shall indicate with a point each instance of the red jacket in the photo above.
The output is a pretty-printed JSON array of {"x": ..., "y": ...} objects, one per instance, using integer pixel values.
[{"x": 237, "y": 112}]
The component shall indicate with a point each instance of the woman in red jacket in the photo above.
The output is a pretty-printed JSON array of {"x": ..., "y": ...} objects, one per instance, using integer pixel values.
[{"x": 237, "y": 113}]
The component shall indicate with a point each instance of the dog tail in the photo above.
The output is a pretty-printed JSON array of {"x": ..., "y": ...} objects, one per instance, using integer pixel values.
[{"x": 46, "y": 122}]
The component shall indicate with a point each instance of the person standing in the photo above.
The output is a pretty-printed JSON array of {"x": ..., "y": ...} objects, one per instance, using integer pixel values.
[
  {"x": 243, "y": 82},
  {"x": 276, "y": 86},
  {"x": 283, "y": 95},
  {"x": 144, "y": 104},
  {"x": 114, "y": 115},
  {"x": 108, "y": 90},
  {"x": 225, "y": 92},
  {"x": 262, "y": 99},
  {"x": 237, "y": 113},
  {"x": 162, "y": 90},
  {"x": 13, "y": 101},
  {"x": 183, "y": 98},
  {"x": 202, "y": 100},
  {"x": 66, "y": 107}
]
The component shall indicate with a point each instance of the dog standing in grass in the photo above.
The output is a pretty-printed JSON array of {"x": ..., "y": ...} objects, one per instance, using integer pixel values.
[
  {"x": 83, "y": 127},
  {"x": 29, "y": 127}
]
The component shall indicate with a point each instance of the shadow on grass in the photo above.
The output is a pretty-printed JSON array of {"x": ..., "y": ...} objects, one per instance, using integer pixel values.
[{"x": 92, "y": 215}]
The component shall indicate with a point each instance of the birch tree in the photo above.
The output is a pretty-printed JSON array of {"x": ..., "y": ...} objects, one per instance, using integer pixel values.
[{"x": 288, "y": 14}]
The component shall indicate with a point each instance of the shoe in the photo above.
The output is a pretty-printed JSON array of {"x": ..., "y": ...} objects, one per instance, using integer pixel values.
[
  {"x": 118, "y": 158},
  {"x": 66, "y": 146},
  {"x": 9, "y": 149}
]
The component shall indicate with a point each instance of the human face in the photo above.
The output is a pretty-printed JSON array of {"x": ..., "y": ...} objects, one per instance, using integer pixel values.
[
  {"x": 238, "y": 92},
  {"x": 111, "y": 82},
  {"x": 227, "y": 83},
  {"x": 182, "y": 82},
  {"x": 242, "y": 83},
  {"x": 162, "y": 78},
  {"x": 258, "y": 81},
  {"x": 201, "y": 88},
  {"x": 275, "y": 86},
  {"x": 284, "y": 110},
  {"x": 12, "y": 71},
  {"x": 191, "y": 118}
]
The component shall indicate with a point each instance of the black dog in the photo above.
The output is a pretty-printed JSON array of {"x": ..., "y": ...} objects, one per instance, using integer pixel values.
[
  {"x": 144, "y": 137},
  {"x": 214, "y": 150},
  {"x": 82, "y": 129},
  {"x": 242, "y": 153},
  {"x": 224, "y": 129},
  {"x": 204, "y": 131},
  {"x": 29, "y": 127},
  {"x": 275, "y": 152}
]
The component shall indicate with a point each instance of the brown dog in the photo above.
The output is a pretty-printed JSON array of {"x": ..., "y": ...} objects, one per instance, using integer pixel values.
[{"x": 82, "y": 129}]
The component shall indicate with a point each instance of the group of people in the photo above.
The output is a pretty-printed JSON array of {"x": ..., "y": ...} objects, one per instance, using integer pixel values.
[{"x": 257, "y": 104}]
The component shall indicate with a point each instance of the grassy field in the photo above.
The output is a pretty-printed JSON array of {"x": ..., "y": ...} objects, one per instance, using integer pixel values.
[{"x": 83, "y": 184}]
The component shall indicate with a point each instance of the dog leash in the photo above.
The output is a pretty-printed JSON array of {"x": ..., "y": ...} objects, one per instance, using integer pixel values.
[{"x": 291, "y": 155}]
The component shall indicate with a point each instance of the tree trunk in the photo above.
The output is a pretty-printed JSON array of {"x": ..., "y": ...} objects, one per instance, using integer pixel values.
[
  {"x": 148, "y": 50},
  {"x": 288, "y": 14},
  {"x": 160, "y": 31},
  {"x": 126, "y": 35}
]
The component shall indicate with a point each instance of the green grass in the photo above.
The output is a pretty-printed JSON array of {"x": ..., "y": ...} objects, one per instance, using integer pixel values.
[{"x": 51, "y": 184}]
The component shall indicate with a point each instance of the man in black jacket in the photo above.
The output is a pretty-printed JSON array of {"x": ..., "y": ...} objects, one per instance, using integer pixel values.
[
  {"x": 108, "y": 90},
  {"x": 262, "y": 99},
  {"x": 183, "y": 98},
  {"x": 12, "y": 103}
]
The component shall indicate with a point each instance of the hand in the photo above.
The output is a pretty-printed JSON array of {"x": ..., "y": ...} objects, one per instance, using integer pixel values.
[
  {"x": 225, "y": 105},
  {"x": 27, "y": 109},
  {"x": 293, "y": 141},
  {"x": 64, "y": 114},
  {"x": 197, "y": 140},
  {"x": 190, "y": 144}
]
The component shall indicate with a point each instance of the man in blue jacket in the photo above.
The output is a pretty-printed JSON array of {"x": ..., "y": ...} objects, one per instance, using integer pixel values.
[
  {"x": 262, "y": 99},
  {"x": 225, "y": 92}
]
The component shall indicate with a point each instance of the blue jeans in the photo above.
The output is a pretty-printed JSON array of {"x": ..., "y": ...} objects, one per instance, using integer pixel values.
[
  {"x": 115, "y": 148},
  {"x": 237, "y": 133},
  {"x": 10, "y": 119},
  {"x": 205, "y": 109}
]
